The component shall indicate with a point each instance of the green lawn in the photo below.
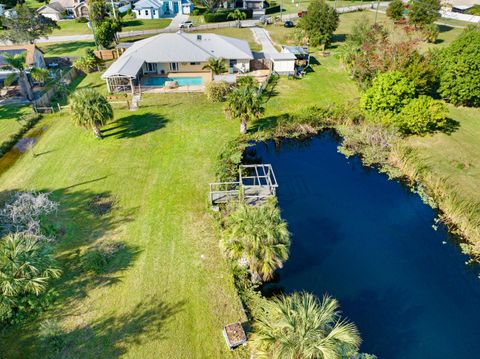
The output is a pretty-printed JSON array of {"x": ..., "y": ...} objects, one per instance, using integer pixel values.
[
  {"x": 170, "y": 293},
  {"x": 71, "y": 49},
  {"x": 286, "y": 36},
  {"x": 71, "y": 27},
  {"x": 9, "y": 115}
]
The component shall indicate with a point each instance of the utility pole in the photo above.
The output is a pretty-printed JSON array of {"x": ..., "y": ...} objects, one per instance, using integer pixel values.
[
  {"x": 113, "y": 9},
  {"x": 335, "y": 5},
  {"x": 376, "y": 11},
  {"x": 281, "y": 11}
]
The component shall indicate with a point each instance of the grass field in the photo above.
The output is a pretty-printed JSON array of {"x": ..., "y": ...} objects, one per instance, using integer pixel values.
[
  {"x": 70, "y": 49},
  {"x": 9, "y": 114},
  {"x": 72, "y": 27},
  {"x": 170, "y": 293},
  {"x": 286, "y": 36}
]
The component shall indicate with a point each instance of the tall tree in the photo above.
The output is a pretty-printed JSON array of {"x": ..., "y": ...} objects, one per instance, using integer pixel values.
[
  {"x": 17, "y": 64},
  {"x": 245, "y": 104},
  {"x": 216, "y": 65},
  {"x": 319, "y": 23},
  {"x": 106, "y": 32},
  {"x": 459, "y": 67},
  {"x": 395, "y": 10},
  {"x": 423, "y": 12},
  {"x": 26, "y": 26},
  {"x": 258, "y": 236},
  {"x": 300, "y": 326},
  {"x": 26, "y": 268},
  {"x": 91, "y": 110}
]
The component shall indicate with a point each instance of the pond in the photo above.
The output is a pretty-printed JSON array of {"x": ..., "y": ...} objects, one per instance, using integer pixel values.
[{"x": 371, "y": 243}]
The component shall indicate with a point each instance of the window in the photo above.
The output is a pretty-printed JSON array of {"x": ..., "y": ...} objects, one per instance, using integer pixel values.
[
  {"x": 174, "y": 66},
  {"x": 146, "y": 12},
  {"x": 194, "y": 63},
  {"x": 153, "y": 12},
  {"x": 150, "y": 67}
]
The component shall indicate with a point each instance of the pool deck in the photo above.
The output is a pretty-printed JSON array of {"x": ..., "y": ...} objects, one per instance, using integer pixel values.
[{"x": 180, "y": 89}]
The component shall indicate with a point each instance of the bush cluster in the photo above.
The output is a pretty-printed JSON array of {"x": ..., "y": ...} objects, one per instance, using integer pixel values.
[
  {"x": 217, "y": 91},
  {"x": 272, "y": 9},
  {"x": 222, "y": 15}
]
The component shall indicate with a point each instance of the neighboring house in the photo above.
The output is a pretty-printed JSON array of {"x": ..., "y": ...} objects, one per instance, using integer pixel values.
[
  {"x": 34, "y": 57},
  {"x": 58, "y": 9},
  {"x": 154, "y": 9},
  {"x": 253, "y": 4},
  {"x": 174, "y": 55},
  {"x": 459, "y": 5}
]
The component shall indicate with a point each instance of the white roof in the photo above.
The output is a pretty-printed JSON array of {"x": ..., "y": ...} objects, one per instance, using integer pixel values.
[
  {"x": 178, "y": 47},
  {"x": 281, "y": 56}
]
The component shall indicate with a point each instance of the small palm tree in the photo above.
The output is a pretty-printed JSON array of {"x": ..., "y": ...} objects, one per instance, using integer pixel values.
[
  {"x": 17, "y": 64},
  {"x": 245, "y": 104},
  {"x": 216, "y": 65},
  {"x": 39, "y": 75},
  {"x": 237, "y": 15},
  {"x": 258, "y": 236},
  {"x": 26, "y": 267},
  {"x": 91, "y": 110},
  {"x": 300, "y": 326}
]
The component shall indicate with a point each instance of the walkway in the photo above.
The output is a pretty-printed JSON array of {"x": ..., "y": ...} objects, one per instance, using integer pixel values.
[{"x": 262, "y": 37}]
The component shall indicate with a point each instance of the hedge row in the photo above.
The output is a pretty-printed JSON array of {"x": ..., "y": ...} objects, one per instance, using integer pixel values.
[
  {"x": 272, "y": 9},
  {"x": 13, "y": 139},
  {"x": 222, "y": 15}
]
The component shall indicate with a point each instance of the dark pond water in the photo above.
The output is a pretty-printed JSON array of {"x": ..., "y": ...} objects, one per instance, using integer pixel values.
[{"x": 370, "y": 243}]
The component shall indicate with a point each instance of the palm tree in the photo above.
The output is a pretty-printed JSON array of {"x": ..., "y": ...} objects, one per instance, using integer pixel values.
[
  {"x": 216, "y": 65},
  {"x": 237, "y": 15},
  {"x": 26, "y": 266},
  {"x": 244, "y": 103},
  {"x": 17, "y": 64},
  {"x": 300, "y": 326},
  {"x": 91, "y": 110},
  {"x": 257, "y": 236},
  {"x": 39, "y": 75}
]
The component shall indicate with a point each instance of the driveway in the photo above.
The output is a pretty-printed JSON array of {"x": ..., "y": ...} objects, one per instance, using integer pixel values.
[{"x": 262, "y": 37}]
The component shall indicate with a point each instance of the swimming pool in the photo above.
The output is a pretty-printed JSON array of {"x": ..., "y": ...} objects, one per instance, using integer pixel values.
[{"x": 182, "y": 81}]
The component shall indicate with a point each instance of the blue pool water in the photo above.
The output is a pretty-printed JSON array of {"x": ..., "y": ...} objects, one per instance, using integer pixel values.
[
  {"x": 182, "y": 81},
  {"x": 370, "y": 243}
]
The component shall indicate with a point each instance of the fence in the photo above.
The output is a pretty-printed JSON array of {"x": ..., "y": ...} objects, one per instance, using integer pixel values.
[{"x": 44, "y": 100}]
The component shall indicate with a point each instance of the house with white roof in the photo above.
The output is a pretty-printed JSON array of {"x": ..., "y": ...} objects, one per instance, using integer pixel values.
[
  {"x": 155, "y": 9},
  {"x": 178, "y": 57},
  {"x": 58, "y": 9}
]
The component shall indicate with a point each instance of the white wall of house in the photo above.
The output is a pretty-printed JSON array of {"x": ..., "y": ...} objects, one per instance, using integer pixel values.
[
  {"x": 242, "y": 66},
  {"x": 52, "y": 15},
  {"x": 156, "y": 13},
  {"x": 179, "y": 67},
  {"x": 284, "y": 66}
]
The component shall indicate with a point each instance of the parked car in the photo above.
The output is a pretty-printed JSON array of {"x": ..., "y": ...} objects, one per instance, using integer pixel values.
[
  {"x": 186, "y": 25},
  {"x": 288, "y": 23},
  {"x": 266, "y": 20}
]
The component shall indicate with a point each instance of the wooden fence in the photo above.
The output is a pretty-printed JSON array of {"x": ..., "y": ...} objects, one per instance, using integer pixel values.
[{"x": 44, "y": 100}]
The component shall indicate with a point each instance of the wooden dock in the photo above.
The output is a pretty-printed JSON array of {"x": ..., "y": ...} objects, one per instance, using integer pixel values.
[{"x": 256, "y": 183}]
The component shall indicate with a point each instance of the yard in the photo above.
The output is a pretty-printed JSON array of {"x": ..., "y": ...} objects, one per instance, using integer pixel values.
[
  {"x": 286, "y": 36},
  {"x": 73, "y": 27},
  {"x": 8, "y": 120},
  {"x": 170, "y": 292}
]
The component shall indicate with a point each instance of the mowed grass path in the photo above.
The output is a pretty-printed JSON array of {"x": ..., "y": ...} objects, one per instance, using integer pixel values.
[
  {"x": 9, "y": 114},
  {"x": 171, "y": 292}
]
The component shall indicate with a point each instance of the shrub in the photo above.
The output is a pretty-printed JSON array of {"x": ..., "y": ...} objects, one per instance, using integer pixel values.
[
  {"x": 247, "y": 81},
  {"x": 99, "y": 258},
  {"x": 460, "y": 69},
  {"x": 389, "y": 93},
  {"x": 229, "y": 159},
  {"x": 217, "y": 91},
  {"x": 222, "y": 15},
  {"x": 272, "y": 9},
  {"x": 423, "y": 12},
  {"x": 422, "y": 73},
  {"x": 199, "y": 11},
  {"x": 430, "y": 33},
  {"x": 395, "y": 10},
  {"x": 422, "y": 115},
  {"x": 81, "y": 19},
  {"x": 87, "y": 63}
]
